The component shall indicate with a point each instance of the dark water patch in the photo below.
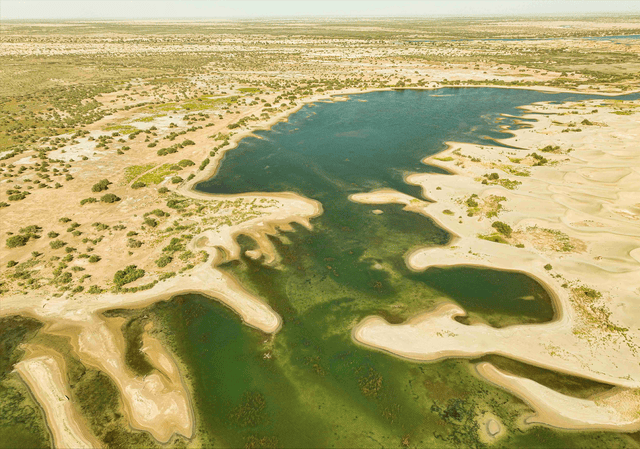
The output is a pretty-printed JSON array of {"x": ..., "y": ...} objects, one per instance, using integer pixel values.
[
  {"x": 499, "y": 297},
  {"x": 132, "y": 330},
  {"x": 578, "y": 387}
]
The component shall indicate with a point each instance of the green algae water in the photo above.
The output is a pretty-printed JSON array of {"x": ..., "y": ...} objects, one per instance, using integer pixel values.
[{"x": 310, "y": 385}]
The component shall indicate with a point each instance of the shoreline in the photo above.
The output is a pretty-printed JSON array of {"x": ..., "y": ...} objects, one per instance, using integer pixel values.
[
  {"x": 41, "y": 365},
  {"x": 567, "y": 343}
]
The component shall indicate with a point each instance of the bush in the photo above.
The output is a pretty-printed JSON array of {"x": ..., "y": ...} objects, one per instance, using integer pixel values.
[
  {"x": 188, "y": 142},
  {"x": 94, "y": 258},
  {"x": 548, "y": 267},
  {"x": 52, "y": 235},
  {"x": 204, "y": 164},
  {"x": 11, "y": 263},
  {"x": 138, "y": 185},
  {"x": 163, "y": 190},
  {"x": 57, "y": 244},
  {"x": 159, "y": 213},
  {"x": 94, "y": 289},
  {"x": 109, "y": 198},
  {"x": 88, "y": 200},
  {"x": 100, "y": 186},
  {"x": 17, "y": 240},
  {"x": 502, "y": 228},
  {"x": 176, "y": 180},
  {"x": 133, "y": 243},
  {"x": 128, "y": 275},
  {"x": 186, "y": 163},
  {"x": 151, "y": 222},
  {"x": 164, "y": 261}
]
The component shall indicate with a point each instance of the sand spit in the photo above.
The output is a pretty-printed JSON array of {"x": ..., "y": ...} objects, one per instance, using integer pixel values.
[
  {"x": 158, "y": 403},
  {"x": 559, "y": 410},
  {"x": 43, "y": 371},
  {"x": 570, "y": 200}
]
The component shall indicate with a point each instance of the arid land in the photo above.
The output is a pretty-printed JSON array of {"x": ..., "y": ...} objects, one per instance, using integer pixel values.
[{"x": 105, "y": 129}]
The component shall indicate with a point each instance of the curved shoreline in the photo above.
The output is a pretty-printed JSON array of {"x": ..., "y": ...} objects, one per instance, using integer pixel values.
[{"x": 593, "y": 347}]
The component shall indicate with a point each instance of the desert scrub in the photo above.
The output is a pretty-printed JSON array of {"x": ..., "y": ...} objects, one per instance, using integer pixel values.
[
  {"x": 138, "y": 185},
  {"x": 496, "y": 238},
  {"x": 186, "y": 163},
  {"x": 109, "y": 198},
  {"x": 17, "y": 240},
  {"x": 56, "y": 244},
  {"x": 101, "y": 185},
  {"x": 129, "y": 274},
  {"x": 164, "y": 260},
  {"x": 502, "y": 228},
  {"x": 88, "y": 201}
]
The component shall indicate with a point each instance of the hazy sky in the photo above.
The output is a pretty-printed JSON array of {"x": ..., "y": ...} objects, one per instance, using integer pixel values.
[{"x": 154, "y": 9}]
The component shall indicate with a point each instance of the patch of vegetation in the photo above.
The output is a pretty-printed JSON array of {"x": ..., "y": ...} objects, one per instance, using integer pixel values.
[
  {"x": 88, "y": 201},
  {"x": 133, "y": 171},
  {"x": 158, "y": 175},
  {"x": 109, "y": 198},
  {"x": 129, "y": 274},
  {"x": 101, "y": 185},
  {"x": 502, "y": 228}
]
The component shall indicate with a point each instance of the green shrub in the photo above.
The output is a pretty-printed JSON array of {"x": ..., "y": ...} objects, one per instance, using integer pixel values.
[
  {"x": 109, "y": 198},
  {"x": 502, "y": 228},
  {"x": 133, "y": 243},
  {"x": 88, "y": 200},
  {"x": 163, "y": 190},
  {"x": 17, "y": 240},
  {"x": 151, "y": 222},
  {"x": 101, "y": 185},
  {"x": 52, "y": 235},
  {"x": 57, "y": 244},
  {"x": 94, "y": 258},
  {"x": 11, "y": 263},
  {"x": 204, "y": 164},
  {"x": 186, "y": 163},
  {"x": 159, "y": 213},
  {"x": 548, "y": 267},
  {"x": 128, "y": 275},
  {"x": 176, "y": 180},
  {"x": 138, "y": 185},
  {"x": 164, "y": 260}
]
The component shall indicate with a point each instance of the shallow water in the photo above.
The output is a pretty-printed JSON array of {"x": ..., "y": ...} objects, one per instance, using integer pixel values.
[{"x": 311, "y": 386}]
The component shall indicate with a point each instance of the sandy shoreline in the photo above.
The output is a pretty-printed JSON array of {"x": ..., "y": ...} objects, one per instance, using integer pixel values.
[
  {"x": 582, "y": 255},
  {"x": 44, "y": 373}
]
